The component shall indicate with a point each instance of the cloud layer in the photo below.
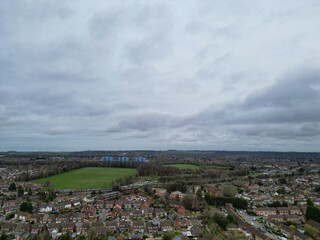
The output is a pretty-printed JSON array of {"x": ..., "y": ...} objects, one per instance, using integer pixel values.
[{"x": 77, "y": 75}]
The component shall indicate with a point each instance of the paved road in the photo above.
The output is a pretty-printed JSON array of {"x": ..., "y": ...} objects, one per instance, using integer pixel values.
[{"x": 249, "y": 219}]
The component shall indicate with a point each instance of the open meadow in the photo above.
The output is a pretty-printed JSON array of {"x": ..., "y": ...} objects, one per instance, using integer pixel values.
[{"x": 91, "y": 177}]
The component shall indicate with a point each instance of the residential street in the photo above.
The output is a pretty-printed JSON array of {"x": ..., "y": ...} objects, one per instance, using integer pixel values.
[{"x": 249, "y": 219}]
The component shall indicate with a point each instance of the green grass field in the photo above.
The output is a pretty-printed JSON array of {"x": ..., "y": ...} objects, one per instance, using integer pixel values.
[
  {"x": 91, "y": 177},
  {"x": 184, "y": 166}
]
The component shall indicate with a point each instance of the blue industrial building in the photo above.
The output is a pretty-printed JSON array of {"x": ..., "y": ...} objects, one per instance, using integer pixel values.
[
  {"x": 123, "y": 159},
  {"x": 140, "y": 159}
]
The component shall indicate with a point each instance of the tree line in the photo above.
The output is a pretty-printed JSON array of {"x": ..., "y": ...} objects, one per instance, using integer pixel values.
[
  {"x": 220, "y": 201},
  {"x": 154, "y": 169}
]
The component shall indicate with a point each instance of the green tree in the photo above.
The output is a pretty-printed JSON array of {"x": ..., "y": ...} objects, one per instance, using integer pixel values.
[
  {"x": 44, "y": 235},
  {"x": 199, "y": 193},
  {"x": 42, "y": 196},
  {"x": 282, "y": 180},
  {"x": 231, "y": 219},
  {"x": 4, "y": 236},
  {"x": 20, "y": 191},
  {"x": 281, "y": 191},
  {"x": 64, "y": 236},
  {"x": 91, "y": 234},
  {"x": 166, "y": 236},
  {"x": 12, "y": 187},
  {"x": 188, "y": 202},
  {"x": 229, "y": 191},
  {"x": 10, "y": 215},
  {"x": 275, "y": 204},
  {"x": 310, "y": 202},
  {"x": 220, "y": 220},
  {"x": 313, "y": 213},
  {"x": 311, "y": 231},
  {"x": 26, "y": 207},
  {"x": 251, "y": 212},
  {"x": 52, "y": 195}
]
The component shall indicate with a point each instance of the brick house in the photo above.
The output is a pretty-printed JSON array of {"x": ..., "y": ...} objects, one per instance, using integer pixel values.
[
  {"x": 138, "y": 226},
  {"x": 283, "y": 210},
  {"x": 166, "y": 226},
  {"x": 111, "y": 226},
  {"x": 266, "y": 211}
]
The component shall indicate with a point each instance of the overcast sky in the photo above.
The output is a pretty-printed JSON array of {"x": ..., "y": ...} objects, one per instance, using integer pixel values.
[{"x": 175, "y": 74}]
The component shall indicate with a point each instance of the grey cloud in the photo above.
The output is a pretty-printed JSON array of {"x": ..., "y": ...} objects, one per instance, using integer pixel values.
[
  {"x": 146, "y": 121},
  {"x": 294, "y": 90},
  {"x": 105, "y": 24},
  {"x": 207, "y": 75}
]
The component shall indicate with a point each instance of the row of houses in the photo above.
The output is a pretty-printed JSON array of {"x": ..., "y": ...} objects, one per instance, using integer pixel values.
[
  {"x": 277, "y": 225},
  {"x": 266, "y": 211},
  {"x": 287, "y": 231},
  {"x": 123, "y": 226}
]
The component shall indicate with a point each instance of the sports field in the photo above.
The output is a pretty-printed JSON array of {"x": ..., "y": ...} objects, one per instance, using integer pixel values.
[
  {"x": 90, "y": 177},
  {"x": 184, "y": 166}
]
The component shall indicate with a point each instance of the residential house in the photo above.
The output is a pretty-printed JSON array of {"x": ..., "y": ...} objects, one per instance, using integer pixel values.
[
  {"x": 35, "y": 218},
  {"x": 100, "y": 204},
  {"x": 111, "y": 226},
  {"x": 138, "y": 226},
  {"x": 152, "y": 227},
  {"x": 293, "y": 218},
  {"x": 23, "y": 216},
  {"x": 62, "y": 218},
  {"x": 261, "y": 236},
  {"x": 77, "y": 217},
  {"x": 8, "y": 227},
  {"x": 283, "y": 210},
  {"x": 137, "y": 214},
  {"x": 45, "y": 208},
  {"x": 159, "y": 212},
  {"x": 274, "y": 224},
  {"x": 67, "y": 227},
  {"x": 313, "y": 223},
  {"x": 166, "y": 226},
  {"x": 148, "y": 212},
  {"x": 279, "y": 218},
  {"x": 96, "y": 224},
  {"x": 54, "y": 227},
  {"x": 22, "y": 228},
  {"x": 181, "y": 211},
  {"x": 161, "y": 192},
  {"x": 36, "y": 228},
  {"x": 109, "y": 204},
  {"x": 128, "y": 205},
  {"x": 125, "y": 215},
  {"x": 137, "y": 203},
  {"x": 287, "y": 231},
  {"x": 89, "y": 211},
  {"x": 51, "y": 219},
  {"x": 266, "y": 211},
  {"x": 180, "y": 224},
  {"x": 100, "y": 231},
  {"x": 300, "y": 236},
  {"x": 294, "y": 210},
  {"x": 124, "y": 226},
  {"x": 177, "y": 195}
]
